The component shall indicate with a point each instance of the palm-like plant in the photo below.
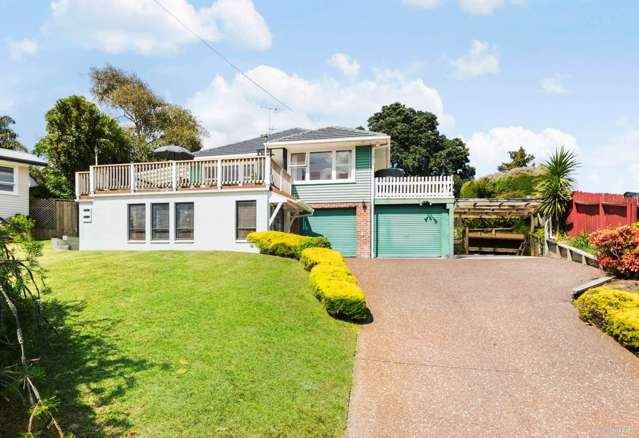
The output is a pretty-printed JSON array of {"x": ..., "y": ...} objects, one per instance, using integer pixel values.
[{"x": 557, "y": 182}]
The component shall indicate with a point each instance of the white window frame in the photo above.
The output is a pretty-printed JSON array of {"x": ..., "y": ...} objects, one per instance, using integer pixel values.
[
  {"x": 16, "y": 176},
  {"x": 333, "y": 179}
]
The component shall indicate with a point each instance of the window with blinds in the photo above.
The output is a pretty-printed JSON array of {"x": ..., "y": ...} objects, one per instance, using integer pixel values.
[
  {"x": 160, "y": 221},
  {"x": 183, "y": 221},
  {"x": 137, "y": 221},
  {"x": 245, "y": 218}
]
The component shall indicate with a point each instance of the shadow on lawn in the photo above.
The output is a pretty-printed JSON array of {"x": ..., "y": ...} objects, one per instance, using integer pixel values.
[{"x": 81, "y": 362}]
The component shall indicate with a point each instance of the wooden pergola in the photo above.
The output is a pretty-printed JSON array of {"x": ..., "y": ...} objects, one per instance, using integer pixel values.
[{"x": 494, "y": 208}]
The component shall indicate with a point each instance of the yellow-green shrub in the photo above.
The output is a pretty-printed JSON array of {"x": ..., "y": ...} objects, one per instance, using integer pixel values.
[
  {"x": 314, "y": 256},
  {"x": 285, "y": 244},
  {"x": 335, "y": 272},
  {"x": 614, "y": 311}
]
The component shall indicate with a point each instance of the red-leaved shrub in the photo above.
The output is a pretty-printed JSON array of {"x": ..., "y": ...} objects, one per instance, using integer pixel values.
[{"x": 618, "y": 250}]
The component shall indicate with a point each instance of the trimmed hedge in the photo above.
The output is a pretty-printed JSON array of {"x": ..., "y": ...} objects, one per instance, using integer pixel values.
[
  {"x": 614, "y": 311},
  {"x": 285, "y": 244},
  {"x": 334, "y": 284}
]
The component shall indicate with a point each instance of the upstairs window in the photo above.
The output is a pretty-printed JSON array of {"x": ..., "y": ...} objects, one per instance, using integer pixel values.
[
  {"x": 137, "y": 221},
  {"x": 160, "y": 221},
  {"x": 184, "y": 221},
  {"x": 7, "y": 179},
  {"x": 245, "y": 218},
  {"x": 322, "y": 166}
]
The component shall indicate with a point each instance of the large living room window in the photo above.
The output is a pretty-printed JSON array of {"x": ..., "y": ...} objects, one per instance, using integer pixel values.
[
  {"x": 137, "y": 221},
  {"x": 245, "y": 218},
  {"x": 183, "y": 221},
  {"x": 321, "y": 166},
  {"x": 7, "y": 179},
  {"x": 160, "y": 221}
]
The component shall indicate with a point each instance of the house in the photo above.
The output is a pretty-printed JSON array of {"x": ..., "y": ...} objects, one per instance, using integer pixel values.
[
  {"x": 315, "y": 182},
  {"x": 15, "y": 181}
]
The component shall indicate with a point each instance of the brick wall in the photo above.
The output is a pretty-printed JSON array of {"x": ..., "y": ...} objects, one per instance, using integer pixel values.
[{"x": 362, "y": 223}]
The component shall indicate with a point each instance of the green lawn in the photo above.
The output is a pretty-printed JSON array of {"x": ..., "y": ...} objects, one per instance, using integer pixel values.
[{"x": 194, "y": 344}]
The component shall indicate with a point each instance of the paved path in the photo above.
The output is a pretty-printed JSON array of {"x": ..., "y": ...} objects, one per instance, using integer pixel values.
[{"x": 484, "y": 348}]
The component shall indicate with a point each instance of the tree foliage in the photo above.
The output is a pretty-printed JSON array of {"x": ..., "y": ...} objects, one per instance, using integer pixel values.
[
  {"x": 152, "y": 121},
  {"x": 518, "y": 158},
  {"x": 75, "y": 127},
  {"x": 8, "y": 137},
  {"x": 417, "y": 145},
  {"x": 516, "y": 183},
  {"x": 557, "y": 182}
]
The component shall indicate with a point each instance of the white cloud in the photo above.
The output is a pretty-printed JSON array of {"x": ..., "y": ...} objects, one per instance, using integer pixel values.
[
  {"x": 485, "y": 7},
  {"x": 234, "y": 109},
  {"x": 142, "y": 26},
  {"x": 21, "y": 48},
  {"x": 553, "y": 85},
  {"x": 489, "y": 149},
  {"x": 481, "y": 59},
  {"x": 347, "y": 65},
  {"x": 425, "y": 4}
]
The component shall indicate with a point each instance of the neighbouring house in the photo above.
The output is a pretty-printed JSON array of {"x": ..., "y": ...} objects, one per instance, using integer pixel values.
[
  {"x": 15, "y": 181},
  {"x": 315, "y": 182}
]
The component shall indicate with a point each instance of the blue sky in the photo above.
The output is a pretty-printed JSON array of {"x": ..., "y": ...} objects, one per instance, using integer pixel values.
[{"x": 499, "y": 73}]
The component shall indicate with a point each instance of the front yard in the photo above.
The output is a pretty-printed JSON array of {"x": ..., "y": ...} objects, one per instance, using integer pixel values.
[{"x": 194, "y": 344}]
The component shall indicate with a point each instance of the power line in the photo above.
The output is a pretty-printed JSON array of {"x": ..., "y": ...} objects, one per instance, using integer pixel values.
[{"x": 224, "y": 58}]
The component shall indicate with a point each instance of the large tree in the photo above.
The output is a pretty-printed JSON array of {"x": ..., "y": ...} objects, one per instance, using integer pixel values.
[
  {"x": 8, "y": 137},
  {"x": 518, "y": 158},
  {"x": 418, "y": 146},
  {"x": 152, "y": 121},
  {"x": 76, "y": 128}
]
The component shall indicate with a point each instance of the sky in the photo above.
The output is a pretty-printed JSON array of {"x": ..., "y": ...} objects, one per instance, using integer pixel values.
[{"x": 498, "y": 73}]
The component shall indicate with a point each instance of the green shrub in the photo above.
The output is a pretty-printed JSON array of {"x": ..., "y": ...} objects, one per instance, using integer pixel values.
[
  {"x": 614, "y": 311},
  {"x": 313, "y": 256},
  {"x": 285, "y": 244},
  {"x": 516, "y": 183}
]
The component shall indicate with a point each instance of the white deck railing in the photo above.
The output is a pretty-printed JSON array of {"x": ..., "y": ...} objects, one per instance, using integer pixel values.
[
  {"x": 181, "y": 175},
  {"x": 411, "y": 187}
]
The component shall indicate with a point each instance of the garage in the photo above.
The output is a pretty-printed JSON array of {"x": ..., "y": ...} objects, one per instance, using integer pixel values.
[
  {"x": 338, "y": 225},
  {"x": 412, "y": 231}
]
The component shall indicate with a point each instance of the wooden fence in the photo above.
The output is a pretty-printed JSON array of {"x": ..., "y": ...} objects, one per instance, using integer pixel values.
[
  {"x": 53, "y": 218},
  {"x": 593, "y": 211}
]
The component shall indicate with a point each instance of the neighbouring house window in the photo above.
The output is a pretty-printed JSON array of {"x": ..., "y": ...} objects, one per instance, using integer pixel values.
[
  {"x": 321, "y": 166},
  {"x": 160, "y": 221},
  {"x": 184, "y": 221},
  {"x": 298, "y": 166},
  {"x": 245, "y": 218},
  {"x": 137, "y": 221},
  {"x": 7, "y": 179},
  {"x": 343, "y": 164}
]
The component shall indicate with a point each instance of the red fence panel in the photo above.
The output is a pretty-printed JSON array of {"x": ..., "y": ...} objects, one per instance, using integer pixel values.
[{"x": 593, "y": 211}]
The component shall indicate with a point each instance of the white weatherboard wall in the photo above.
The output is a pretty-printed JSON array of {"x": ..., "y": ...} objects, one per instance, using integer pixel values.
[
  {"x": 16, "y": 202},
  {"x": 214, "y": 221}
]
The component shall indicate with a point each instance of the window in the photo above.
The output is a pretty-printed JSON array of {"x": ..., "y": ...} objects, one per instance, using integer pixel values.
[
  {"x": 343, "y": 164},
  {"x": 7, "y": 179},
  {"x": 245, "y": 218},
  {"x": 322, "y": 166},
  {"x": 298, "y": 167},
  {"x": 184, "y": 221},
  {"x": 159, "y": 221},
  {"x": 137, "y": 221}
]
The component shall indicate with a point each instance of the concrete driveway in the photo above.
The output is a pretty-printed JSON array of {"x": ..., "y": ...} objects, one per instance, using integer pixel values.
[{"x": 486, "y": 348}]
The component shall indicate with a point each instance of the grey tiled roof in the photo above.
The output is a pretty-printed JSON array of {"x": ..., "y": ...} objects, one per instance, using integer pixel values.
[
  {"x": 328, "y": 133},
  {"x": 21, "y": 157},
  {"x": 249, "y": 146}
]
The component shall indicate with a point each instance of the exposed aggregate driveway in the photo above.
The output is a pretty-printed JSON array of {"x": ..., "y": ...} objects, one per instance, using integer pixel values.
[{"x": 486, "y": 347}]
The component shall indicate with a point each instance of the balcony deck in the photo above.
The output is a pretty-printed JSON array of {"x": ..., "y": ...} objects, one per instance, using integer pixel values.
[
  {"x": 414, "y": 187},
  {"x": 181, "y": 176}
]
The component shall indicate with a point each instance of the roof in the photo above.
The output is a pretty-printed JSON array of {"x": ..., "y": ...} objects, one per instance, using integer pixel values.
[
  {"x": 249, "y": 146},
  {"x": 21, "y": 157},
  {"x": 328, "y": 133}
]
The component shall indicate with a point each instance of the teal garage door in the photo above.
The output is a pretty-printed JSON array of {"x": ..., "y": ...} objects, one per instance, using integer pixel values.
[
  {"x": 411, "y": 231},
  {"x": 337, "y": 225}
]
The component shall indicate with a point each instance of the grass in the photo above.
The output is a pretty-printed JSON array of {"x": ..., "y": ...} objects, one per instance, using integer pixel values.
[{"x": 193, "y": 344}]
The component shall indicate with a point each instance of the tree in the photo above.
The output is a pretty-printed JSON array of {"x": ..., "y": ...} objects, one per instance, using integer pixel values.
[
  {"x": 8, "y": 137},
  {"x": 556, "y": 185},
  {"x": 75, "y": 127},
  {"x": 417, "y": 145},
  {"x": 518, "y": 158},
  {"x": 153, "y": 122}
]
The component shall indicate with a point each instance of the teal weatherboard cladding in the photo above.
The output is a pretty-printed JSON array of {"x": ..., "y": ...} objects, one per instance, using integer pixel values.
[
  {"x": 357, "y": 191},
  {"x": 338, "y": 225},
  {"x": 412, "y": 231}
]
